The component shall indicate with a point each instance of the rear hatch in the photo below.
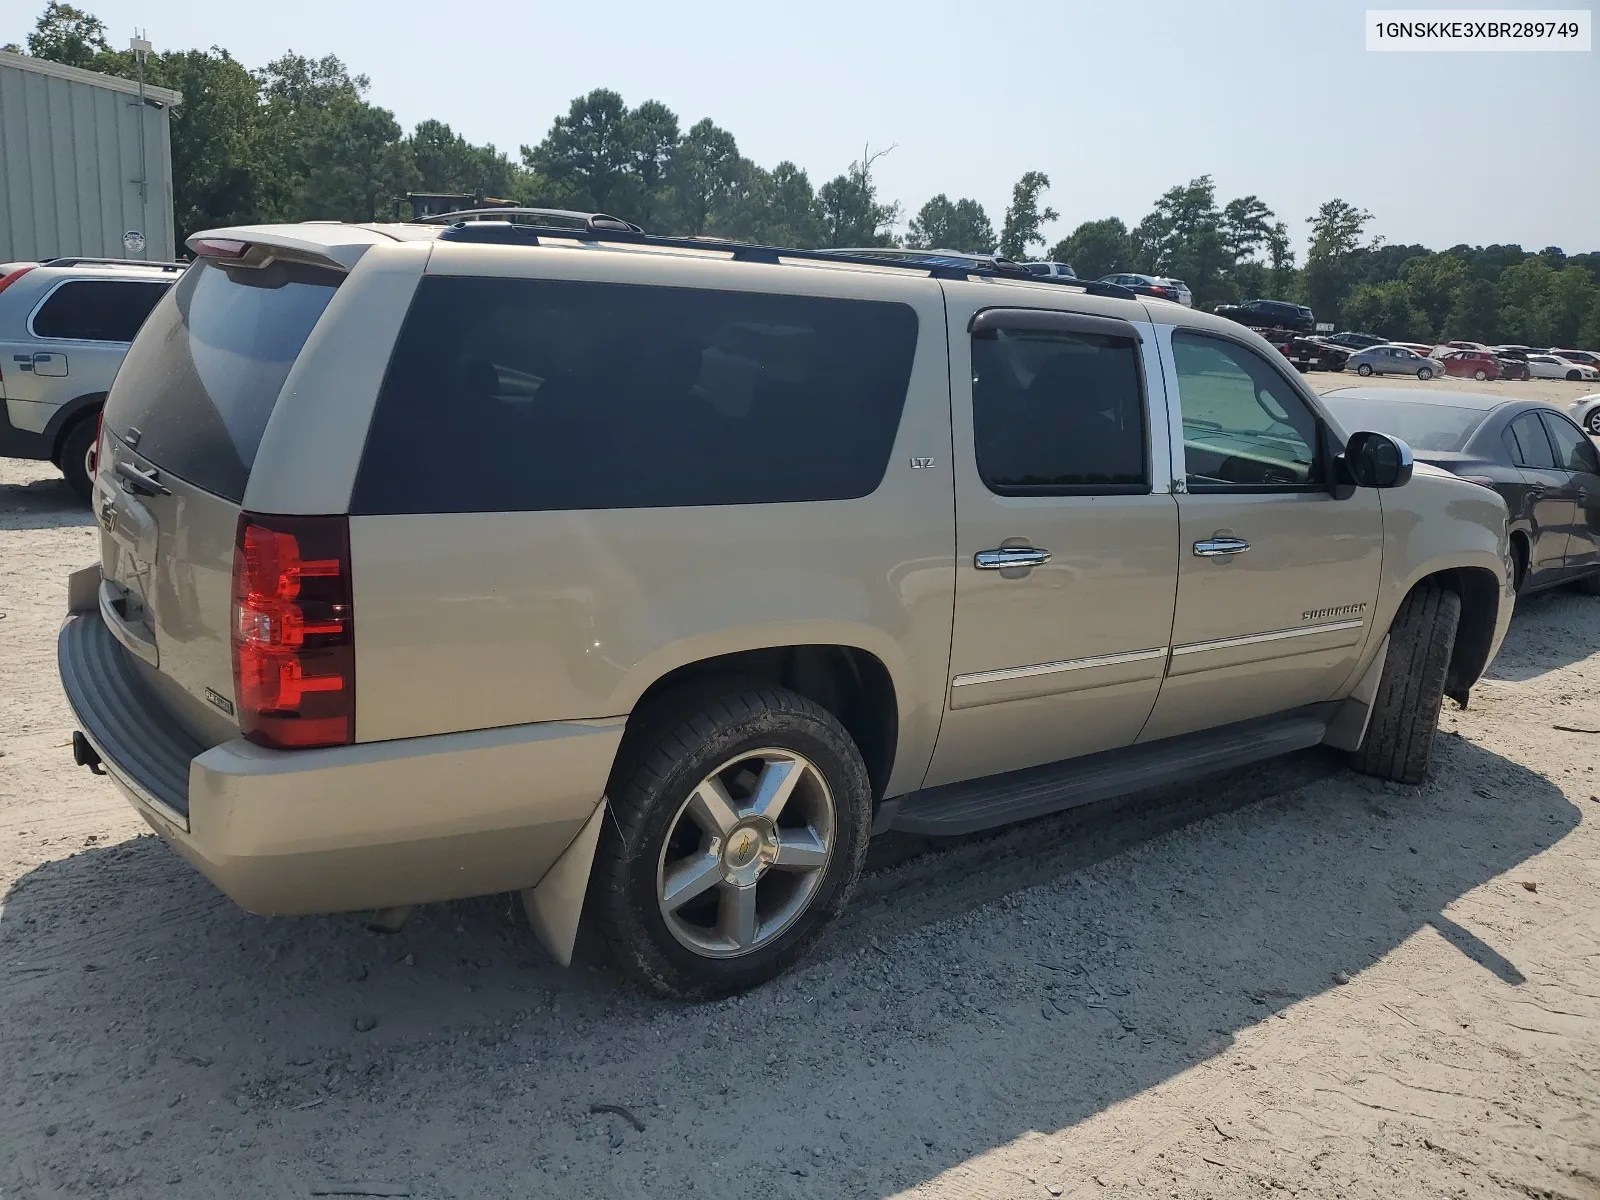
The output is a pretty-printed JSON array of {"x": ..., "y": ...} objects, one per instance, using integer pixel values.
[{"x": 181, "y": 428}]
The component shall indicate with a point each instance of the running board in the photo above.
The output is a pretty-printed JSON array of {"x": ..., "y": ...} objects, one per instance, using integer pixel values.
[{"x": 958, "y": 808}]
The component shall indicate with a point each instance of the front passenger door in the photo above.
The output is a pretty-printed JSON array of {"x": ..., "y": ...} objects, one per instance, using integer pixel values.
[
  {"x": 1276, "y": 577},
  {"x": 1552, "y": 497}
]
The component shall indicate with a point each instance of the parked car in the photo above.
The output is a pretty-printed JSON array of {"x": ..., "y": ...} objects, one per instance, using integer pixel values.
[
  {"x": 1445, "y": 347},
  {"x": 1585, "y": 410},
  {"x": 1143, "y": 285},
  {"x": 1473, "y": 364},
  {"x": 1536, "y": 458},
  {"x": 1356, "y": 341},
  {"x": 1394, "y": 359},
  {"x": 475, "y": 571},
  {"x": 1059, "y": 270},
  {"x": 1270, "y": 314},
  {"x": 64, "y": 326},
  {"x": 1513, "y": 363},
  {"x": 1584, "y": 358},
  {"x": 1548, "y": 366},
  {"x": 1184, "y": 296}
]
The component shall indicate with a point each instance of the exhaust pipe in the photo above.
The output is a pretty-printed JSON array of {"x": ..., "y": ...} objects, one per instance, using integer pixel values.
[{"x": 84, "y": 754}]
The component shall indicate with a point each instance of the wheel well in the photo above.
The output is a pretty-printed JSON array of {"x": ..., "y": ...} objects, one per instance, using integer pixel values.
[
  {"x": 1480, "y": 606},
  {"x": 84, "y": 412},
  {"x": 1521, "y": 548},
  {"x": 849, "y": 682}
]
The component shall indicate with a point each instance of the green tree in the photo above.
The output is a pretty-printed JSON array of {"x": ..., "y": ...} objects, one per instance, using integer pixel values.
[
  {"x": 852, "y": 214},
  {"x": 1095, "y": 248},
  {"x": 1589, "y": 331},
  {"x": 1569, "y": 297},
  {"x": 446, "y": 162},
  {"x": 1525, "y": 314},
  {"x": 590, "y": 154},
  {"x": 941, "y": 224},
  {"x": 1024, "y": 218},
  {"x": 1475, "y": 311},
  {"x": 65, "y": 34},
  {"x": 1183, "y": 237},
  {"x": 706, "y": 174},
  {"x": 785, "y": 210},
  {"x": 1390, "y": 310},
  {"x": 1434, "y": 280},
  {"x": 1247, "y": 226},
  {"x": 1336, "y": 232}
]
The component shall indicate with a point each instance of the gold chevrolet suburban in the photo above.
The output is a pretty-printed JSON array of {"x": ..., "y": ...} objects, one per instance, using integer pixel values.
[{"x": 650, "y": 577}]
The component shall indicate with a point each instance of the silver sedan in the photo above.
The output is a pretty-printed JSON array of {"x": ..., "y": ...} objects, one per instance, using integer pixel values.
[{"x": 1394, "y": 360}]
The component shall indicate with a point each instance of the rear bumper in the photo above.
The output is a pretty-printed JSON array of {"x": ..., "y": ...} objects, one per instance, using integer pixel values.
[{"x": 373, "y": 825}]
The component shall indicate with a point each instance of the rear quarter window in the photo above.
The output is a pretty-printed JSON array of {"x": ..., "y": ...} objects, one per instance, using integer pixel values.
[
  {"x": 203, "y": 376},
  {"x": 98, "y": 310},
  {"x": 528, "y": 395}
]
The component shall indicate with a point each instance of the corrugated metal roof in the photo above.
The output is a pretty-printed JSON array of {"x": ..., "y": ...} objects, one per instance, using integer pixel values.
[{"x": 115, "y": 83}]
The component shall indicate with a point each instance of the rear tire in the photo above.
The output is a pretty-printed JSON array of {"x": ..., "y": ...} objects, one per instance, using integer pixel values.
[
  {"x": 695, "y": 949},
  {"x": 77, "y": 449},
  {"x": 1594, "y": 422},
  {"x": 1405, "y": 714}
]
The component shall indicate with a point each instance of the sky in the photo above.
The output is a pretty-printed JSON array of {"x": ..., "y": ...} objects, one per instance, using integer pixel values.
[{"x": 1115, "y": 102}]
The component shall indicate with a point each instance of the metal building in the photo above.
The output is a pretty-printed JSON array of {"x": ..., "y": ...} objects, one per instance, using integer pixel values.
[{"x": 85, "y": 167}]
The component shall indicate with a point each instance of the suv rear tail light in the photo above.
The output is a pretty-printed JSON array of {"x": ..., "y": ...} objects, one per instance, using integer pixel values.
[{"x": 294, "y": 658}]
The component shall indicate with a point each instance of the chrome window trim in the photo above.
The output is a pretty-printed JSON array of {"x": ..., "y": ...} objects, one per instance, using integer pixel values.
[
  {"x": 1054, "y": 668},
  {"x": 1158, "y": 402},
  {"x": 1276, "y": 635}
]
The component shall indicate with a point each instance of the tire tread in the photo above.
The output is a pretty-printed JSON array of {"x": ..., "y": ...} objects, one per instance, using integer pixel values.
[{"x": 1398, "y": 745}]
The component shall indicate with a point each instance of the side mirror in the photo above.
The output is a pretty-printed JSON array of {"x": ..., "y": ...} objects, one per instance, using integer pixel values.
[{"x": 1376, "y": 460}]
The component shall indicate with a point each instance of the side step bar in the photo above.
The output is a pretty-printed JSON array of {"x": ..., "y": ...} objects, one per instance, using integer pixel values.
[{"x": 958, "y": 808}]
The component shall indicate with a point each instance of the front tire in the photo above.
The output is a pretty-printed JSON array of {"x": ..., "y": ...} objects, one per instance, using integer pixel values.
[
  {"x": 1364, "y": 370},
  {"x": 77, "y": 457},
  {"x": 739, "y": 834},
  {"x": 1574, "y": 376},
  {"x": 1424, "y": 373},
  {"x": 1480, "y": 375},
  {"x": 1405, "y": 713}
]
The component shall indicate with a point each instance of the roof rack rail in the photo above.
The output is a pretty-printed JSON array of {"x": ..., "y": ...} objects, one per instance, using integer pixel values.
[
  {"x": 490, "y": 226},
  {"x": 589, "y": 222},
  {"x": 77, "y": 261}
]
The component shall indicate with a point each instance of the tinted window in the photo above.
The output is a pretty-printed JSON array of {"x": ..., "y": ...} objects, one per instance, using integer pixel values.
[
  {"x": 1244, "y": 426},
  {"x": 1038, "y": 268},
  {"x": 203, "y": 376},
  {"x": 1530, "y": 447},
  {"x": 98, "y": 310},
  {"x": 1574, "y": 450},
  {"x": 1054, "y": 410},
  {"x": 522, "y": 394}
]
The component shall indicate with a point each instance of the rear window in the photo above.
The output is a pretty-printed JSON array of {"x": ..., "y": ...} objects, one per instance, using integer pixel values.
[
  {"x": 98, "y": 310},
  {"x": 523, "y": 395},
  {"x": 204, "y": 374},
  {"x": 1424, "y": 427}
]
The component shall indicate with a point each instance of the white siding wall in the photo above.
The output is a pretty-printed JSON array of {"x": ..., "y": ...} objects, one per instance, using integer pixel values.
[{"x": 69, "y": 168}]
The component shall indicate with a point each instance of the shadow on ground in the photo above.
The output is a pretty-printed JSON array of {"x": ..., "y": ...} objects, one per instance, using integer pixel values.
[
  {"x": 1550, "y": 630},
  {"x": 42, "y": 504},
  {"x": 159, "y": 1041}
]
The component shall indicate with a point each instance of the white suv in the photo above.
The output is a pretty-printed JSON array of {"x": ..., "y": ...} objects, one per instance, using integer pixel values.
[{"x": 65, "y": 325}]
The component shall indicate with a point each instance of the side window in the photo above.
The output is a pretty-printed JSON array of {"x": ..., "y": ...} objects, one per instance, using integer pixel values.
[
  {"x": 98, "y": 310},
  {"x": 519, "y": 395},
  {"x": 1244, "y": 427},
  {"x": 1530, "y": 446},
  {"x": 1058, "y": 412},
  {"x": 1574, "y": 451}
]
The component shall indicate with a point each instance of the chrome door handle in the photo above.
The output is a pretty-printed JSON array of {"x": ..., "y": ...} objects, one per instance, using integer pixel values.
[
  {"x": 1219, "y": 547},
  {"x": 1010, "y": 556}
]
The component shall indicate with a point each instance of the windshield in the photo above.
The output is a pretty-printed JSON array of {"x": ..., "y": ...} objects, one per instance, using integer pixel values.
[{"x": 1423, "y": 427}]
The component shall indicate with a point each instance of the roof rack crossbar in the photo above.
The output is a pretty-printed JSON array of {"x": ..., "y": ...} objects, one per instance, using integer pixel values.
[
  {"x": 78, "y": 261},
  {"x": 939, "y": 266}
]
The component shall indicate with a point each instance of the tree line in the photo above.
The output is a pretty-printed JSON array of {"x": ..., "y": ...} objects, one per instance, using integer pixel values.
[{"x": 298, "y": 140}]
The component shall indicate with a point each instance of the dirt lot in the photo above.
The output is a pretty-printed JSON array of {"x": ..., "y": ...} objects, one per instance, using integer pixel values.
[{"x": 1290, "y": 980}]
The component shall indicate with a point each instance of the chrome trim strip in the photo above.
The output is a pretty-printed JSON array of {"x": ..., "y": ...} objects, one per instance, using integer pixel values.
[
  {"x": 1277, "y": 635},
  {"x": 1054, "y": 668}
]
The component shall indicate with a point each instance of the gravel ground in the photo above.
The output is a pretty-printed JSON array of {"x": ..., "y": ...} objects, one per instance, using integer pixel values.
[{"x": 1287, "y": 980}]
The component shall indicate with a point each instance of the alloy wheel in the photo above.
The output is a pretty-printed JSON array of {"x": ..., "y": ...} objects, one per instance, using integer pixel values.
[{"x": 746, "y": 853}]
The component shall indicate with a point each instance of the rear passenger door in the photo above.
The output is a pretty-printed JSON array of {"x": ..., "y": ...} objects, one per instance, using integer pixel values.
[
  {"x": 1552, "y": 496},
  {"x": 1066, "y": 536},
  {"x": 1276, "y": 577}
]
